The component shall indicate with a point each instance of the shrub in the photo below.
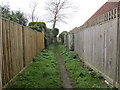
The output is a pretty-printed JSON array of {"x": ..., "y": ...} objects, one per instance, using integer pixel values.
[{"x": 39, "y": 26}]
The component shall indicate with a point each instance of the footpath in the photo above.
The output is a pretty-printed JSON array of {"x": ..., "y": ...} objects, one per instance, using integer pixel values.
[{"x": 63, "y": 72}]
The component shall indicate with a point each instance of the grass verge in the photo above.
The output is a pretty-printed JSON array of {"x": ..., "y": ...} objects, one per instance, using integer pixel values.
[
  {"x": 81, "y": 75},
  {"x": 42, "y": 73}
]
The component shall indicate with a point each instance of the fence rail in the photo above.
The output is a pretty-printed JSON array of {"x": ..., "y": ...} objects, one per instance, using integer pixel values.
[{"x": 18, "y": 46}]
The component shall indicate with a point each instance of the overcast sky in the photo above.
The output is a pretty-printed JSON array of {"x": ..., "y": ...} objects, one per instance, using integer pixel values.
[{"x": 85, "y": 9}]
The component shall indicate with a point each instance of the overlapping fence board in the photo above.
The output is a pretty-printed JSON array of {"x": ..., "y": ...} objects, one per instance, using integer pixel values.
[{"x": 18, "y": 46}]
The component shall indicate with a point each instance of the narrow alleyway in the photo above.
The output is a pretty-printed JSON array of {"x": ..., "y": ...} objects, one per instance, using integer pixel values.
[{"x": 57, "y": 67}]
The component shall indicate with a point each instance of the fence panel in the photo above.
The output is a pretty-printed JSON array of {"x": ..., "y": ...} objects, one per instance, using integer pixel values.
[
  {"x": 18, "y": 46},
  {"x": 96, "y": 42},
  {"x": 94, "y": 46}
]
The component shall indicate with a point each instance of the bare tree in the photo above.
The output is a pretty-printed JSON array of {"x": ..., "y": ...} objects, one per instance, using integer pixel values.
[
  {"x": 57, "y": 11},
  {"x": 33, "y": 6}
]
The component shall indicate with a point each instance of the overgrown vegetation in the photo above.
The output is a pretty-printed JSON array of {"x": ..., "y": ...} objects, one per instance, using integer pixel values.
[
  {"x": 50, "y": 34},
  {"x": 55, "y": 32},
  {"x": 42, "y": 73},
  {"x": 39, "y": 26},
  {"x": 61, "y": 36},
  {"x": 81, "y": 76},
  {"x": 48, "y": 37}
]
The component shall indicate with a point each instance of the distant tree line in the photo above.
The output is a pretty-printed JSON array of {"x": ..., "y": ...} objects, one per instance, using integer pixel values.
[{"x": 16, "y": 16}]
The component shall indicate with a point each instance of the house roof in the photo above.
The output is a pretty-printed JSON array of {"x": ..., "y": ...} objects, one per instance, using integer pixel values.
[{"x": 105, "y": 8}]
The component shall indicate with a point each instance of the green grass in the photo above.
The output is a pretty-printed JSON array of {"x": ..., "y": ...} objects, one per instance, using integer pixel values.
[
  {"x": 81, "y": 76},
  {"x": 42, "y": 73}
]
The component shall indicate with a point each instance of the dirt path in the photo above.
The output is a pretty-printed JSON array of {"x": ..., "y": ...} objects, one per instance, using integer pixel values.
[{"x": 63, "y": 72}]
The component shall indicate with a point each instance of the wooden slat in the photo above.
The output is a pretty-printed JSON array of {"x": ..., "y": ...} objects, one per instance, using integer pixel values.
[
  {"x": 8, "y": 49},
  {"x": 11, "y": 49},
  {"x": 1, "y": 53},
  {"x": 5, "y": 55}
]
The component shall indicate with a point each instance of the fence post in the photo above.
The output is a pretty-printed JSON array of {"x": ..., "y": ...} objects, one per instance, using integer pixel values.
[
  {"x": 1, "y": 53},
  {"x": 23, "y": 42},
  {"x": 118, "y": 47}
]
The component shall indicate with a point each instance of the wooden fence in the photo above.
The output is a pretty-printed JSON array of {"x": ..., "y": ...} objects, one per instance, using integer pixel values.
[
  {"x": 97, "y": 42},
  {"x": 18, "y": 46}
]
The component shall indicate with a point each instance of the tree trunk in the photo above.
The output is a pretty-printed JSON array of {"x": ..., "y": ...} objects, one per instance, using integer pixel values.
[
  {"x": 32, "y": 17},
  {"x": 54, "y": 23}
]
